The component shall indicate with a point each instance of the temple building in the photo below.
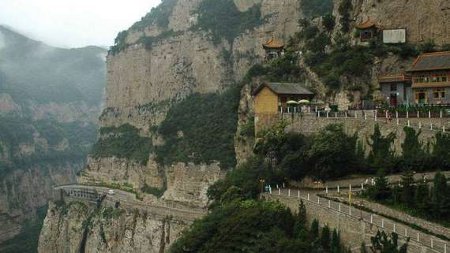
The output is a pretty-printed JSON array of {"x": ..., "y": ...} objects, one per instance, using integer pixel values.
[
  {"x": 431, "y": 78},
  {"x": 367, "y": 30},
  {"x": 396, "y": 89},
  {"x": 274, "y": 49},
  {"x": 271, "y": 100}
]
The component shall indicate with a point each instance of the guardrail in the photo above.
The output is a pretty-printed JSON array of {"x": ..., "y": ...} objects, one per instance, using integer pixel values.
[{"x": 431, "y": 242}]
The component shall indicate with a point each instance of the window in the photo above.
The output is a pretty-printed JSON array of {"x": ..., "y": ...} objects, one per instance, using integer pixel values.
[
  {"x": 393, "y": 87},
  {"x": 439, "y": 93}
]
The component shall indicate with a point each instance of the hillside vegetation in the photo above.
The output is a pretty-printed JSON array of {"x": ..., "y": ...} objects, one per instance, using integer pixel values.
[{"x": 201, "y": 129}]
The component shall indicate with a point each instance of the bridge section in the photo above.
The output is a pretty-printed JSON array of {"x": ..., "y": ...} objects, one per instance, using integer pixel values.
[{"x": 120, "y": 199}]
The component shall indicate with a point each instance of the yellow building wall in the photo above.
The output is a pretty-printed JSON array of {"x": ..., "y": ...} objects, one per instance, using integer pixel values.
[
  {"x": 266, "y": 109},
  {"x": 266, "y": 102}
]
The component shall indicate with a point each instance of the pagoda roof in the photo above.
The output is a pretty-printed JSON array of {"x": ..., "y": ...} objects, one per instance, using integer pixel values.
[
  {"x": 366, "y": 25},
  {"x": 431, "y": 61},
  {"x": 273, "y": 43},
  {"x": 284, "y": 89},
  {"x": 394, "y": 78}
]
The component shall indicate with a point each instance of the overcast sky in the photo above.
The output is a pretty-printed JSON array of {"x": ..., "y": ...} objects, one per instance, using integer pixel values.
[{"x": 73, "y": 23}]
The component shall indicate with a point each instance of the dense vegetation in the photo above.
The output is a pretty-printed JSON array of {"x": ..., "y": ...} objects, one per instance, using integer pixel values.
[
  {"x": 385, "y": 243},
  {"x": 28, "y": 238},
  {"x": 16, "y": 131},
  {"x": 282, "y": 69},
  {"x": 123, "y": 142},
  {"x": 157, "y": 16},
  {"x": 257, "y": 226},
  {"x": 417, "y": 199},
  {"x": 332, "y": 153},
  {"x": 224, "y": 20},
  {"x": 201, "y": 128}
]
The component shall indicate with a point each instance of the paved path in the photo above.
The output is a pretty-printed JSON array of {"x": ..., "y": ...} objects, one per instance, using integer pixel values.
[
  {"x": 128, "y": 200},
  {"x": 432, "y": 243}
]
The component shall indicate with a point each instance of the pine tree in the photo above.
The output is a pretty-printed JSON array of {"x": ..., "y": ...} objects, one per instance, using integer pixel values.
[
  {"x": 421, "y": 197},
  {"x": 325, "y": 238},
  {"x": 381, "y": 190},
  {"x": 381, "y": 153},
  {"x": 315, "y": 229},
  {"x": 335, "y": 242},
  {"x": 413, "y": 153},
  {"x": 439, "y": 198},
  {"x": 300, "y": 223},
  {"x": 408, "y": 188}
]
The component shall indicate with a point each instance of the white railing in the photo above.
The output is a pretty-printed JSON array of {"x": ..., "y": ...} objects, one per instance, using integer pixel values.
[{"x": 387, "y": 225}]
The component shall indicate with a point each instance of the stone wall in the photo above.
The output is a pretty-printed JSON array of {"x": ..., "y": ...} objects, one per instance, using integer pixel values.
[
  {"x": 364, "y": 127},
  {"x": 353, "y": 230}
]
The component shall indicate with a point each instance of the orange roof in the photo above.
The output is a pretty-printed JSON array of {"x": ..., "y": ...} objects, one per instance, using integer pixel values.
[
  {"x": 432, "y": 61},
  {"x": 366, "y": 24},
  {"x": 273, "y": 43},
  {"x": 393, "y": 78}
]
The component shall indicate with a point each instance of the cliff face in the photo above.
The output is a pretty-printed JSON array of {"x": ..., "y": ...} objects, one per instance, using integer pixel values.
[
  {"x": 153, "y": 67},
  {"x": 423, "y": 20},
  {"x": 81, "y": 228},
  {"x": 146, "y": 79},
  {"x": 22, "y": 192}
]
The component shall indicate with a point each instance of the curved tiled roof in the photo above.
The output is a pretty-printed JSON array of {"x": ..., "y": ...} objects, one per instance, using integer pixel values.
[
  {"x": 284, "y": 89},
  {"x": 393, "y": 78},
  {"x": 273, "y": 43},
  {"x": 366, "y": 24},
  {"x": 431, "y": 61}
]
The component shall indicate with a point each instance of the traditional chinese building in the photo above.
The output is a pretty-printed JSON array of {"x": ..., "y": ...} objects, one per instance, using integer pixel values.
[
  {"x": 272, "y": 100},
  {"x": 274, "y": 48},
  {"x": 396, "y": 89},
  {"x": 431, "y": 78},
  {"x": 367, "y": 30}
]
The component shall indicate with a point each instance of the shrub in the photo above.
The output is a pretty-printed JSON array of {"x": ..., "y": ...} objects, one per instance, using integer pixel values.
[
  {"x": 328, "y": 22},
  {"x": 123, "y": 142},
  {"x": 201, "y": 128},
  {"x": 224, "y": 20},
  {"x": 157, "y": 16}
]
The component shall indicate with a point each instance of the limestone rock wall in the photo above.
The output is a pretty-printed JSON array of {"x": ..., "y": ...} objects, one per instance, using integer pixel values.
[
  {"x": 22, "y": 192},
  {"x": 82, "y": 227}
]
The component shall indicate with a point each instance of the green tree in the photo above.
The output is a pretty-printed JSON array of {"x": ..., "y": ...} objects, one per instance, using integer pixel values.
[
  {"x": 344, "y": 10},
  {"x": 381, "y": 153},
  {"x": 315, "y": 228},
  {"x": 441, "y": 152},
  {"x": 333, "y": 153},
  {"x": 440, "y": 200},
  {"x": 328, "y": 22},
  {"x": 413, "y": 153},
  {"x": 335, "y": 242},
  {"x": 381, "y": 242},
  {"x": 421, "y": 197},
  {"x": 408, "y": 188},
  {"x": 381, "y": 190},
  {"x": 325, "y": 238}
]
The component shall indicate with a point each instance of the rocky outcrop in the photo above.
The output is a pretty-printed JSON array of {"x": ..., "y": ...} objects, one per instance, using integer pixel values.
[
  {"x": 22, "y": 192},
  {"x": 158, "y": 67},
  {"x": 423, "y": 20},
  {"x": 82, "y": 228}
]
